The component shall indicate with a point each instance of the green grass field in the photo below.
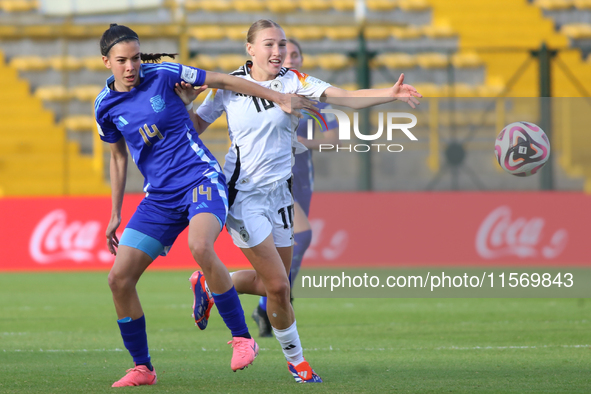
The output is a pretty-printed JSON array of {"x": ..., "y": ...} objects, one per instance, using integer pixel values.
[{"x": 58, "y": 334}]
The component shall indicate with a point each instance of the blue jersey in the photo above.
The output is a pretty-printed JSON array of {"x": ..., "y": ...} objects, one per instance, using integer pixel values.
[
  {"x": 303, "y": 171},
  {"x": 158, "y": 131}
]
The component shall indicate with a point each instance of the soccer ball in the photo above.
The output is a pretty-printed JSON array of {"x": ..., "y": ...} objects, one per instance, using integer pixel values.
[{"x": 522, "y": 148}]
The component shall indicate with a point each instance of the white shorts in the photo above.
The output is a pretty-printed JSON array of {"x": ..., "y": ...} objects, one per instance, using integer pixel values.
[{"x": 257, "y": 213}]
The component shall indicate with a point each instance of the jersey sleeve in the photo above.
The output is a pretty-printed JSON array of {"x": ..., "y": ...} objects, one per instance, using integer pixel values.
[
  {"x": 308, "y": 85},
  {"x": 213, "y": 106},
  {"x": 178, "y": 72},
  {"x": 108, "y": 132}
]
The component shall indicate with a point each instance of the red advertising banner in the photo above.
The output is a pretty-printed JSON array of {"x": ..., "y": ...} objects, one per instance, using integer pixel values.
[{"x": 349, "y": 229}]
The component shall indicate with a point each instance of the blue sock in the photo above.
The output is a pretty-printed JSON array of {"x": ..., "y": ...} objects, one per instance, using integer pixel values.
[
  {"x": 135, "y": 340},
  {"x": 231, "y": 311},
  {"x": 303, "y": 240},
  {"x": 263, "y": 303}
]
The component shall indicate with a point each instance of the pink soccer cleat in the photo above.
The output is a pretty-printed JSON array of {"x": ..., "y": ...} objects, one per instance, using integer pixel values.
[
  {"x": 139, "y": 375},
  {"x": 245, "y": 351}
]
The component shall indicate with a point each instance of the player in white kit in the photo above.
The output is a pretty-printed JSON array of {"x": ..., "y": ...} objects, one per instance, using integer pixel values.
[{"x": 258, "y": 169}]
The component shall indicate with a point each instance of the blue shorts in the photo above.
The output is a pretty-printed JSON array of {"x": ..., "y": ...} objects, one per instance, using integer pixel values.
[
  {"x": 162, "y": 225},
  {"x": 302, "y": 193}
]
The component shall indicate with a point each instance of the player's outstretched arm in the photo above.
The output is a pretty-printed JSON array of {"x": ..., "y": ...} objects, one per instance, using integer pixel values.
[
  {"x": 290, "y": 103},
  {"x": 188, "y": 93},
  {"x": 118, "y": 172},
  {"x": 400, "y": 91}
]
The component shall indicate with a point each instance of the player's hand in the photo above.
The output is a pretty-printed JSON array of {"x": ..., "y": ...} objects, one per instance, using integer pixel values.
[
  {"x": 112, "y": 239},
  {"x": 292, "y": 103},
  {"x": 406, "y": 93},
  {"x": 187, "y": 92}
]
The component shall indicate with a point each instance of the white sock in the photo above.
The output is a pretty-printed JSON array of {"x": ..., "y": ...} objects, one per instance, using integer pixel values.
[{"x": 290, "y": 343}]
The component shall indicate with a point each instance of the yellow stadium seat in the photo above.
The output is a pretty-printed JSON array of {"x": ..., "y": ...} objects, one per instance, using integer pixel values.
[
  {"x": 207, "y": 33},
  {"x": 463, "y": 90},
  {"x": 205, "y": 62},
  {"x": 466, "y": 60},
  {"x": 333, "y": 61},
  {"x": 489, "y": 90},
  {"x": 216, "y": 5},
  {"x": 29, "y": 63},
  {"x": 18, "y": 5},
  {"x": 41, "y": 31},
  {"x": 282, "y": 7},
  {"x": 342, "y": 32},
  {"x": 192, "y": 5},
  {"x": 220, "y": 123},
  {"x": 79, "y": 123},
  {"x": 85, "y": 92},
  {"x": 249, "y": 5},
  {"x": 314, "y": 5},
  {"x": 576, "y": 31},
  {"x": 52, "y": 93},
  {"x": 65, "y": 63},
  {"x": 310, "y": 61},
  {"x": 407, "y": 33},
  {"x": 432, "y": 60},
  {"x": 8, "y": 31},
  {"x": 582, "y": 4},
  {"x": 93, "y": 63},
  {"x": 343, "y": 5},
  {"x": 377, "y": 32},
  {"x": 554, "y": 5},
  {"x": 231, "y": 62},
  {"x": 432, "y": 31},
  {"x": 430, "y": 89},
  {"x": 414, "y": 5},
  {"x": 237, "y": 33},
  {"x": 349, "y": 86},
  {"x": 395, "y": 60},
  {"x": 307, "y": 33},
  {"x": 381, "y": 5}
]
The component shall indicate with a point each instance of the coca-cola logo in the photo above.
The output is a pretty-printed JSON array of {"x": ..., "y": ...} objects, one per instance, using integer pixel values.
[
  {"x": 337, "y": 243},
  {"x": 499, "y": 235},
  {"x": 54, "y": 239}
]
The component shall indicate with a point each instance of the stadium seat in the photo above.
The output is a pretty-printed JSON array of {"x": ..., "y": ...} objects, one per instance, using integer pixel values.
[
  {"x": 582, "y": 4},
  {"x": 414, "y": 5},
  {"x": 333, "y": 61},
  {"x": 80, "y": 123},
  {"x": 307, "y": 33},
  {"x": 216, "y": 5},
  {"x": 237, "y": 33},
  {"x": 18, "y": 5},
  {"x": 85, "y": 92},
  {"x": 342, "y": 32},
  {"x": 463, "y": 90},
  {"x": 310, "y": 61},
  {"x": 93, "y": 63},
  {"x": 220, "y": 123},
  {"x": 314, "y": 5},
  {"x": 282, "y": 7},
  {"x": 205, "y": 62},
  {"x": 343, "y": 5},
  {"x": 230, "y": 62},
  {"x": 466, "y": 60},
  {"x": 377, "y": 32},
  {"x": 192, "y": 5},
  {"x": 52, "y": 93},
  {"x": 554, "y": 5},
  {"x": 436, "y": 32},
  {"x": 29, "y": 63},
  {"x": 65, "y": 63},
  {"x": 577, "y": 31},
  {"x": 407, "y": 33},
  {"x": 395, "y": 60},
  {"x": 432, "y": 60},
  {"x": 8, "y": 32},
  {"x": 348, "y": 86},
  {"x": 249, "y": 5},
  {"x": 207, "y": 33},
  {"x": 381, "y": 5}
]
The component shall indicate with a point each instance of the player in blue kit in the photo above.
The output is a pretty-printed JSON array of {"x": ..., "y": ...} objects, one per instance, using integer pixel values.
[
  {"x": 184, "y": 186},
  {"x": 302, "y": 184}
]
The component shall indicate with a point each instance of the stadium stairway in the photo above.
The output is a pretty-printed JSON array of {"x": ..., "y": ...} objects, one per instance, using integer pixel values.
[
  {"x": 494, "y": 28},
  {"x": 36, "y": 158}
]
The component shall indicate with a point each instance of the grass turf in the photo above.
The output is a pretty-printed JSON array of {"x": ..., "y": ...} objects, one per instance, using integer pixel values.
[{"x": 58, "y": 334}]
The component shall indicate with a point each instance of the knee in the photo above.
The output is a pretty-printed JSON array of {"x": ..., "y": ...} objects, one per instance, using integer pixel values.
[
  {"x": 202, "y": 252},
  {"x": 278, "y": 289},
  {"x": 120, "y": 283}
]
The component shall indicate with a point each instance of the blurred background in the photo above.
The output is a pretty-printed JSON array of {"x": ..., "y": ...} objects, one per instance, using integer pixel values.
[{"x": 479, "y": 64}]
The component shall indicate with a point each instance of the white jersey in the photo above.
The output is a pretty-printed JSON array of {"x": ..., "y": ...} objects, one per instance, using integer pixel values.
[{"x": 262, "y": 135}]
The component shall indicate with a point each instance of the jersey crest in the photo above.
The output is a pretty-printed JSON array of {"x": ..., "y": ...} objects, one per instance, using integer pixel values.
[{"x": 158, "y": 103}]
